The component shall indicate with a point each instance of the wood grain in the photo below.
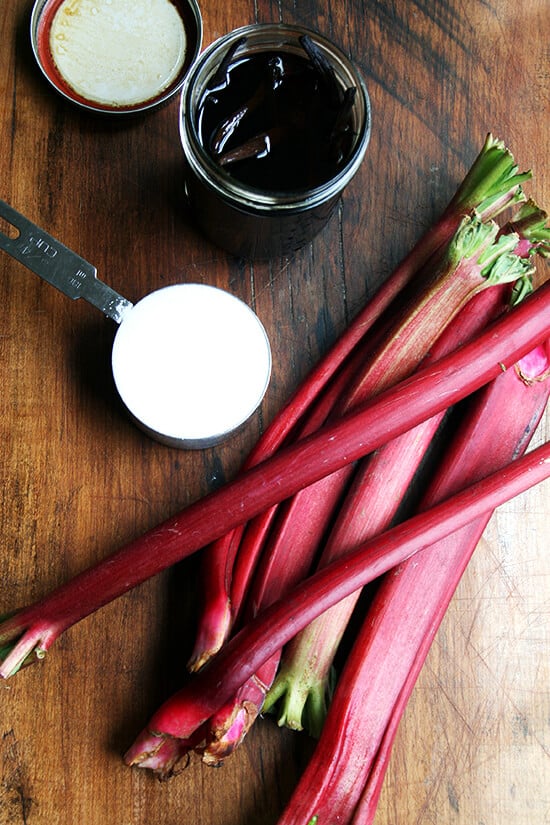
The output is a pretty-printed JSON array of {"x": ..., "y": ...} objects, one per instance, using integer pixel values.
[{"x": 78, "y": 480}]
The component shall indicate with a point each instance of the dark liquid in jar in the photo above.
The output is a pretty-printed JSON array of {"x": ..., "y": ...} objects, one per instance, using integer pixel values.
[{"x": 277, "y": 123}]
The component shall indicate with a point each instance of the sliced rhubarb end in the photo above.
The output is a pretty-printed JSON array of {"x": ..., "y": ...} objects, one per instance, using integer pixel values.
[
  {"x": 472, "y": 237},
  {"x": 214, "y": 625},
  {"x": 21, "y": 646},
  {"x": 210, "y": 638},
  {"x": 144, "y": 747},
  {"x": 164, "y": 754},
  {"x": 535, "y": 366},
  {"x": 298, "y": 706},
  {"x": 17, "y": 657},
  {"x": 159, "y": 753},
  {"x": 223, "y": 740},
  {"x": 199, "y": 660},
  {"x": 501, "y": 264},
  {"x": 530, "y": 224},
  {"x": 494, "y": 206},
  {"x": 227, "y": 728}
]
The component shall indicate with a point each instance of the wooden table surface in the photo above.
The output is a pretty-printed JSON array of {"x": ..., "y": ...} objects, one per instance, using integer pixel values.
[{"x": 78, "y": 479}]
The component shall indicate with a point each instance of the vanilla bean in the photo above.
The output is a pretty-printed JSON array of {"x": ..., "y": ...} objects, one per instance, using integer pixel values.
[
  {"x": 220, "y": 75},
  {"x": 256, "y": 147},
  {"x": 324, "y": 69},
  {"x": 227, "y": 129},
  {"x": 342, "y": 125}
]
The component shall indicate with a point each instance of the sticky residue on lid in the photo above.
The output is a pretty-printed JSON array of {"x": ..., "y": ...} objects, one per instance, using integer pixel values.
[{"x": 118, "y": 52}]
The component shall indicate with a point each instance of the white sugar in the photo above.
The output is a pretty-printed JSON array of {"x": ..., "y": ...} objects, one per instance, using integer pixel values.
[{"x": 191, "y": 362}]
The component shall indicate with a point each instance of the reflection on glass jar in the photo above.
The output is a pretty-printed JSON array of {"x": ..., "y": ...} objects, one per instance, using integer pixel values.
[{"x": 274, "y": 123}]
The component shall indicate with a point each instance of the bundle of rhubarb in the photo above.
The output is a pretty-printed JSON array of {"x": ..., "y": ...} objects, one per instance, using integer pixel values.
[{"x": 323, "y": 507}]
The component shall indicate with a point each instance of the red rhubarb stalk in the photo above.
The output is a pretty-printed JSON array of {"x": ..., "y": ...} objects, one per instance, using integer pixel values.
[
  {"x": 225, "y": 575},
  {"x": 532, "y": 367},
  {"x": 302, "y": 683},
  {"x": 183, "y": 713},
  {"x": 465, "y": 540},
  {"x": 530, "y": 225},
  {"x": 492, "y": 184},
  {"x": 257, "y": 530},
  {"x": 498, "y": 427},
  {"x": 32, "y": 630},
  {"x": 472, "y": 262}
]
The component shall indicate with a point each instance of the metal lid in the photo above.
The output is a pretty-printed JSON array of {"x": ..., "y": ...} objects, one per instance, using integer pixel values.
[{"x": 112, "y": 56}]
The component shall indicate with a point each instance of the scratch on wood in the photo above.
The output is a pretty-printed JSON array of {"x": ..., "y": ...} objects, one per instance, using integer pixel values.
[{"x": 453, "y": 798}]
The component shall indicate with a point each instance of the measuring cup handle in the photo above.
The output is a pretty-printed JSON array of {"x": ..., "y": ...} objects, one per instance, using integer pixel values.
[{"x": 57, "y": 264}]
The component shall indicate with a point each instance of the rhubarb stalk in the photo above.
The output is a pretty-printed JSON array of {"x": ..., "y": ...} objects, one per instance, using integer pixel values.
[
  {"x": 225, "y": 576},
  {"x": 183, "y": 713},
  {"x": 302, "y": 683},
  {"x": 492, "y": 184},
  {"x": 411, "y": 600},
  {"x": 474, "y": 261},
  {"x": 32, "y": 630}
]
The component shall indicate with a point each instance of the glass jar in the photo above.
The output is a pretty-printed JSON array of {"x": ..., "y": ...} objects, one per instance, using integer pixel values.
[{"x": 258, "y": 221}]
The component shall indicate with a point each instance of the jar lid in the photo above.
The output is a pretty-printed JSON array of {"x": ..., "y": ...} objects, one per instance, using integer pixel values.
[{"x": 116, "y": 56}]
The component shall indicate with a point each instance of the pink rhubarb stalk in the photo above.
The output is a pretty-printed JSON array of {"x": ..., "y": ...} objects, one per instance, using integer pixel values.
[
  {"x": 410, "y": 600},
  {"x": 533, "y": 367},
  {"x": 32, "y": 630},
  {"x": 225, "y": 576},
  {"x": 473, "y": 262},
  {"x": 492, "y": 184},
  {"x": 183, "y": 713},
  {"x": 302, "y": 684},
  {"x": 303, "y": 679}
]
